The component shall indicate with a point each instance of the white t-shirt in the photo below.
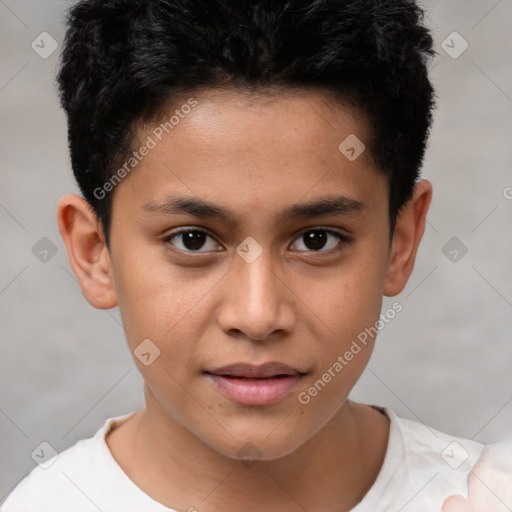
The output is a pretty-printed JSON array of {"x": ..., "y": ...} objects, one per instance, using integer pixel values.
[{"x": 421, "y": 468}]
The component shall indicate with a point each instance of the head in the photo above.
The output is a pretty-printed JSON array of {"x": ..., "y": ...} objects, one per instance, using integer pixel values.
[{"x": 287, "y": 137}]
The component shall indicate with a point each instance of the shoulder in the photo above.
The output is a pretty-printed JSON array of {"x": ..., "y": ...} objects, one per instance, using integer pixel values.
[
  {"x": 55, "y": 480},
  {"x": 69, "y": 479},
  {"x": 438, "y": 464},
  {"x": 422, "y": 468},
  {"x": 442, "y": 449}
]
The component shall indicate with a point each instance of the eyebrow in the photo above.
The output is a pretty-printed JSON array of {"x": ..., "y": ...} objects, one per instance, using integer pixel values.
[{"x": 321, "y": 207}]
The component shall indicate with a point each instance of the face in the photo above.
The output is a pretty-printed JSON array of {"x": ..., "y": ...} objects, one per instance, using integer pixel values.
[{"x": 249, "y": 307}]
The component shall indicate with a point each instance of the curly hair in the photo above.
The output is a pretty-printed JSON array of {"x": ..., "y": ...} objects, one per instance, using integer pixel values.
[{"x": 123, "y": 61}]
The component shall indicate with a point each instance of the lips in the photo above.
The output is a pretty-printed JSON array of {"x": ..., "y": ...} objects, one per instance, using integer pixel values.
[
  {"x": 255, "y": 385},
  {"x": 247, "y": 371}
]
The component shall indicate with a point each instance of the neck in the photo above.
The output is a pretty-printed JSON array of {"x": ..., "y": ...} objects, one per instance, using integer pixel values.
[{"x": 333, "y": 470}]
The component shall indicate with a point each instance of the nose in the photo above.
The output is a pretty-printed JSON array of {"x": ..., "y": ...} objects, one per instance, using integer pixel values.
[{"x": 256, "y": 300}]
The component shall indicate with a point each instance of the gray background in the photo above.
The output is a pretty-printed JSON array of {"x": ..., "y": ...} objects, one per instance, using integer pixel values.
[{"x": 445, "y": 359}]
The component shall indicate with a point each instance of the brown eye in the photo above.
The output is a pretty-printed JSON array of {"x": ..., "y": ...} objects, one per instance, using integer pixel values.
[
  {"x": 321, "y": 240},
  {"x": 191, "y": 240}
]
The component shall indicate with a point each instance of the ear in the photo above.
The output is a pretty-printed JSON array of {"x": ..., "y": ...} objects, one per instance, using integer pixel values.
[
  {"x": 410, "y": 226},
  {"x": 88, "y": 255}
]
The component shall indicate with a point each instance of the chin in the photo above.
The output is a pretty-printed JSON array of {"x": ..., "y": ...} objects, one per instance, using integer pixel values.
[{"x": 255, "y": 445}]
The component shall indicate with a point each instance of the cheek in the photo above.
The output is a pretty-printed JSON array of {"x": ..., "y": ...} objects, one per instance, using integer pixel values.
[
  {"x": 348, "y": 305},
  {"x": 150, "y": 297},
  {"x": 161, "y": 301},
  {"x": 348, "y": 299}
]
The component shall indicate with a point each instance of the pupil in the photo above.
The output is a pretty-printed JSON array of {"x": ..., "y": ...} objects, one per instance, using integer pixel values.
[
  {"x": 194, "y": 239},
  {"x": 315, "y": 239}
]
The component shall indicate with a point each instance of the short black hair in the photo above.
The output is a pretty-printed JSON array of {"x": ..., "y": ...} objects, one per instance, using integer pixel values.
[{"x": 123, "y": 61}]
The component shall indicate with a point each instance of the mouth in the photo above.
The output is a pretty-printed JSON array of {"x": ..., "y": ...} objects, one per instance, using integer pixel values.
[{"x": 255, "y": 385}]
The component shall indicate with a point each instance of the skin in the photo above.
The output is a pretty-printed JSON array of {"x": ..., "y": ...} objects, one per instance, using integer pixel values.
[
  {"x": 490, "y": 482},
  {"x": 254, "y": 155}
]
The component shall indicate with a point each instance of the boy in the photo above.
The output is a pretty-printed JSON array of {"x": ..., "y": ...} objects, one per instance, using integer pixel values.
[{"x": 250, "y": 180}]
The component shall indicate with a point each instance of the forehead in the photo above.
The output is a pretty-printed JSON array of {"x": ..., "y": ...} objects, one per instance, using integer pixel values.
[{"x": 252, "y": 149}]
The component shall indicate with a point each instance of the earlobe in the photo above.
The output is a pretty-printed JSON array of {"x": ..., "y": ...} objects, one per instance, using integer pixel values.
[
  {"x": 410, "y": 226},
  {"x": 87, "y": 252}
]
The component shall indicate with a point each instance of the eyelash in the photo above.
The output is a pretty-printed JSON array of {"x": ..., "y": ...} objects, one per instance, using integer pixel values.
[{"x": 342, "y": 237}]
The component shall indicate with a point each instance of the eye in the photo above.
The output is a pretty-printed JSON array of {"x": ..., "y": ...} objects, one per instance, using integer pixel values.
[
  {"x": 317, "y": 240},
  {"x": 192, "y": 239}
]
